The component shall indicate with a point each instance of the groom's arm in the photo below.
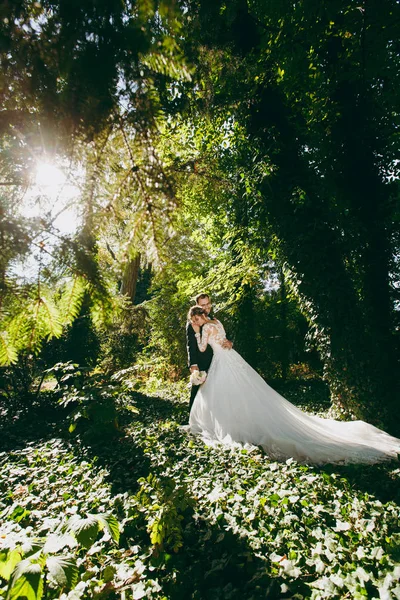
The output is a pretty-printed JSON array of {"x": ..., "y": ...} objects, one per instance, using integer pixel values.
[{"x": 191, "y": 345}]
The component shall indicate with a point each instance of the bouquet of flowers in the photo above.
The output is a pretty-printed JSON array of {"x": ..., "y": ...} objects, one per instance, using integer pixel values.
[{"x": 198, "y": 377}]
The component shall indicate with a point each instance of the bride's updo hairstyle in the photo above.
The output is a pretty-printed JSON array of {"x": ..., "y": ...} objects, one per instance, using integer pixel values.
[{"x": 196, "y": 311}]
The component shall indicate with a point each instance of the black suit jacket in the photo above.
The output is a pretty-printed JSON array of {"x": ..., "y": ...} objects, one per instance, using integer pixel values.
[{"x": 195, "y": 357}]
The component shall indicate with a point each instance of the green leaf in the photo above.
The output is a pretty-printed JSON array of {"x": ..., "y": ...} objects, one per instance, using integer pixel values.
[
  {"x": 63, "y": 571},
  {"x": 108, "y": 573},
  {"x": 85, "y": 530},
  {"x": 26, "y": 582},
  {"x": 49, "y": 317},
  {"x": 8, "y": 354},
  {"x": 8, "y": 561},
  {"x": 71, "y": 300},
  {"x": 111, "y": 524},
  {"x": 56, "y": 542},
  {"x": 19, "y": 513}
]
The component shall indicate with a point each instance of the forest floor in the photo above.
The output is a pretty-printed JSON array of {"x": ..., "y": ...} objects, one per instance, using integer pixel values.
[{"x": 154, "y": 513}]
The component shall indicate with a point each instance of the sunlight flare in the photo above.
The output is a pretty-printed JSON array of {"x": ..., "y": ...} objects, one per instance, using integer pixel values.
[
  {"x": 49, "y": 176},
  {"x": 54, "y": 195}
]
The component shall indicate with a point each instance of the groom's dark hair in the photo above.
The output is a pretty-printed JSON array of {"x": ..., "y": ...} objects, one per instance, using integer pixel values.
[{"x": 201, "y": 297}]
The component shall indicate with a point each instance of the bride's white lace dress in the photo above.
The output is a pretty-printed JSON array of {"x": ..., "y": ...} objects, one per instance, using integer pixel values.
[{"x": 236, "y": 405}]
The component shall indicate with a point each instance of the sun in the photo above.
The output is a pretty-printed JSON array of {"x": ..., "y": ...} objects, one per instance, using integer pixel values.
[
  {"x": 55, "y": 194},
  {"x": 50, "y": 177}
]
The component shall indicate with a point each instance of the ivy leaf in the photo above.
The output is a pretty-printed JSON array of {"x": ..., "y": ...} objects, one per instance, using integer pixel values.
[
  {"x": 63, "y": 571},
  {"x": 138, "y": 591},
  {"x": 109, "y": 573}
]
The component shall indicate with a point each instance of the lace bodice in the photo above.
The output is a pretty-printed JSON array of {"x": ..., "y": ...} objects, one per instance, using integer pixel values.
[{"x": 213, "y": 334}]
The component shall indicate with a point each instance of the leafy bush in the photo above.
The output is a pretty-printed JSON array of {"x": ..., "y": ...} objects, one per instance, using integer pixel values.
[
  {"x": 164, "y": 503},
  {"x": 92, "y": 405},
  {"x": 67, "y": 374},
  {"x": 124, "y": 338},
  {"x": 17, "y": 383}
]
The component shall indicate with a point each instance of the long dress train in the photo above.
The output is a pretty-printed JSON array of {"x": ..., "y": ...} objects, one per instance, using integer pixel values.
[{"x": 236, "y": 405}]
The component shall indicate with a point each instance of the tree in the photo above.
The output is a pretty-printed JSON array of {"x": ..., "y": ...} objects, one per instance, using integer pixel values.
[
  {"x": 311, "y": 85},
  {"x": 76, "y": 79}
]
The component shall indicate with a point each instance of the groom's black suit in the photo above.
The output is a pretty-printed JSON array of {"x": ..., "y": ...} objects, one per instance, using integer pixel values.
[{"x": 195, "y": 357}]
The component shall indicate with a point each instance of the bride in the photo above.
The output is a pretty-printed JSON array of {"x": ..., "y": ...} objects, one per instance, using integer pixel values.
[{"x": 236, "y": 405}]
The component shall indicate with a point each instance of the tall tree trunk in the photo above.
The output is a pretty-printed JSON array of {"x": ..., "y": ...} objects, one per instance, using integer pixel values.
[{"x": 130, "y": 278}]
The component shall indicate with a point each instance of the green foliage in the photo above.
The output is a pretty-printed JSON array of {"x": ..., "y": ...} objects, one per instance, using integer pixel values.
[
  {"x": 92, "y": 407},
  {"x": 125, "y": 187},
  {"x": 67, "y": 374},
  {"x": 59, "y": 75},
  {"x": 266, "y": 325},
  {"x": 62, "y": 571},
  {"x": 8, "y": 353},
  {"x": 37, "y": 318},
  {"x": 71, "y": 299},
  {"x": 164, "y": 503},
  {"x": 305, "y": 170},
  {"x": 242, "y": 526},
  {"x": 277, "y": 152},
  {"x": 30, "y": 568},
  {"x": 79, "y": 342},
  {"x": 26, "y": 580},
  {"x": 69, "y": 534},
  {"x": 124, "y": 337},
  {"x": 41, "y": 316},
  {"x": 86, "y": 529},
  {"x": 195, "y": 520},
  {"x": 17, "y": 382}
]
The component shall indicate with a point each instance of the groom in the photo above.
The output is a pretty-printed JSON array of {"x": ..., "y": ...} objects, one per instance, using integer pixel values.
[{"x": 197, "y": 360}]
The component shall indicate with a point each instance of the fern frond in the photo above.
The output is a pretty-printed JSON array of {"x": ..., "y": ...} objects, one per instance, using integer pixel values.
[
  {"x": 71, "y": 300},
  {"x": 19, "y": 327},
  {"x": 49, "y": 317},
  {"x": 39, "y": 319},
  {"x": 167, "y": 65},
  {"x": 8, "y": 352}
]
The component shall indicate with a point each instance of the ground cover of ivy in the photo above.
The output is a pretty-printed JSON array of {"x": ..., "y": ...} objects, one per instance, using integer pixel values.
[{"x": 154, "y": 513}]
